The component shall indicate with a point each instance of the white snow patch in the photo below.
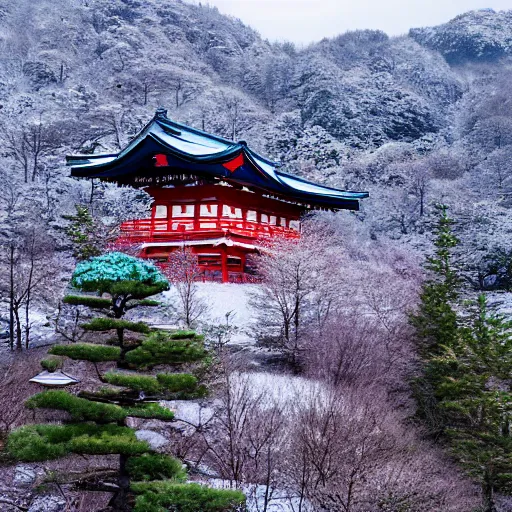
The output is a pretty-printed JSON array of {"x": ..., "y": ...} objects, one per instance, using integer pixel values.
[
  {"x": 281, "y": 389},
  {"x": 223, "y": 298},
  {"x": 255, "y": 494}
]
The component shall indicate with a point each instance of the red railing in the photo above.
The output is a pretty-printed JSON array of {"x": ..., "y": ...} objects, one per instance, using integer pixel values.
[{"x": 150, "y": 230}]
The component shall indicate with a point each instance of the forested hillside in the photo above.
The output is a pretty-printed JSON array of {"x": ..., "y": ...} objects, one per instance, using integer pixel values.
[
  {"x": 417, "y": 120},
  {"x": 362, "y": 110}
]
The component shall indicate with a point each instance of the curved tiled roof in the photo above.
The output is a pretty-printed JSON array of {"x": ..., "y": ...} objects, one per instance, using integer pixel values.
[{"x": 165, "y": 147}]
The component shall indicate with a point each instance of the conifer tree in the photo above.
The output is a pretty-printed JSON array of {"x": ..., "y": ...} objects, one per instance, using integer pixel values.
[
  {"x": 476, "y": 397},
  {"x": 83, "y": 234},
  {"x": 96, "y": 421},
  {"x": 127, "y": 281},
  {"x": 435, "y": 321}
]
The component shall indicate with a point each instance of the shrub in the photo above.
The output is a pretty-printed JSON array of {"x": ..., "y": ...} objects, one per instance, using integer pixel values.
[
  {"x": 79, "y": 409},
  {"x": 86, "y": 300},
  {"x": 107, "y": 324},
  {"x": 51, "y": 364},
  {"x": 152, "y": 466},
  {"x": 164, "y": 496},
  {"x": 87, "y": 352}
]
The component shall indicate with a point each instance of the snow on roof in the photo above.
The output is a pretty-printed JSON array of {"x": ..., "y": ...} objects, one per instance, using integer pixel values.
[
  {"x": 189, "y": 142},
  {"x": 186, "y": 150}
]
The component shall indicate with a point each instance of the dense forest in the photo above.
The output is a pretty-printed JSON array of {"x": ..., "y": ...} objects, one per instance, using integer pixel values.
[{"x": 393, "y": 361}]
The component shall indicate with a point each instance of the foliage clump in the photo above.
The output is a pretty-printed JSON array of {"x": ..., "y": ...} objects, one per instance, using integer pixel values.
[
  {"x": 165, "y": 496},
  {"x": 160, "y": 383},
  {"x": 87, "y": 352},
  {"x": 114, "y": 271},
  {"x": 162, "y": 348},
  {"x": 153, "y": 466},
  {"x": 86, "y": 300},
  {"x": 33, "y": 443},
  {"x": 107, "y": 324},
  {"x": 51, "y": 364},
  {"x": 79, "y": 409}
]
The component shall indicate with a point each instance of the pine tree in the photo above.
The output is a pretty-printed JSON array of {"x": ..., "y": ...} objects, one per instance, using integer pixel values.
[
  {"x": 477, "y": 400},
  {"x": 435, "y": 322},
  {"x": 97, "y": 420},
  {"x": 127, "y": 281},
  {"x": 84, "y": 233}
]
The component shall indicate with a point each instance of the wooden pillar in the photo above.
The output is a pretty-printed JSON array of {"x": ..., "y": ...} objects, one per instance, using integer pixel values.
[{"x": 225, "y": 274}]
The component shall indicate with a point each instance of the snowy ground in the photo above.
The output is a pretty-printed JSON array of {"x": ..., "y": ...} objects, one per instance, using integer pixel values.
[{"x": 222, "y": 299}]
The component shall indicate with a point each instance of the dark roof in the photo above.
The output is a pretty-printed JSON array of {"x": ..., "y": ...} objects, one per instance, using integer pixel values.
[{"x": 165, "y": 147}]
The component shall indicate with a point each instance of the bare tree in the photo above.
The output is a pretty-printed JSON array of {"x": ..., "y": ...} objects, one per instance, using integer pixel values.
[
  {"x": 28, "y": 144},
  {"x": 27, "y": 254},
  {"x": 245, "y": 439},
  {"x": 183, "y": 272},
  {"x": 299, "y": 286}
]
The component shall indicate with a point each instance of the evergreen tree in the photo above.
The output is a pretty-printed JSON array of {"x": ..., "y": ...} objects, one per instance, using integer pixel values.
[
  {"x": 477, "y": 400},
  {"x": 84, "y": 234},
  {"x": 96, "y": 421},
  {"x": 435, "y": 322},
  {"x": 127, "y": 281}
]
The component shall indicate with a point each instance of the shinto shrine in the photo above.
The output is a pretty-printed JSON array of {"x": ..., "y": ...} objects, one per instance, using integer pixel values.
[{"x": 216, "y": 196}]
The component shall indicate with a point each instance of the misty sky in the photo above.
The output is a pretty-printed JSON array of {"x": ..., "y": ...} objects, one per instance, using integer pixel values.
[{"x": 304, "y": 21}]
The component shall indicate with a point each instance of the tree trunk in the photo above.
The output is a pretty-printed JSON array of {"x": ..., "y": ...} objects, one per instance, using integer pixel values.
[
  {"x": 119, "y": 502},
  {"x": 11, "y": 297},
  {"x": 19, "y": 341}
]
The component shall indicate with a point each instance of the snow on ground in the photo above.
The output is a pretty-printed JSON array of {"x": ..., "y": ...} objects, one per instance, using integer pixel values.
[
  {"x": 255, "y": 494},
  {"x": 281, "y": 389},
  {"x": 223, "y": 298}
]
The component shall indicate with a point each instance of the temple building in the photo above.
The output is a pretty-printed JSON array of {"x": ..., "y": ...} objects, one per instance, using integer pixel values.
[{"x": 216, "y": 196}]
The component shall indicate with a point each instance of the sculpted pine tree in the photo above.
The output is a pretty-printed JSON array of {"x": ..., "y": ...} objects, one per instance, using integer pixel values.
[{"x": 96, "y": 421}]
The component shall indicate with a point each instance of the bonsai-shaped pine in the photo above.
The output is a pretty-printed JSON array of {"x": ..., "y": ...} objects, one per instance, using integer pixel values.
[
  {"x": 95, "y": 423},
  {"x": 128, "y": 281}
]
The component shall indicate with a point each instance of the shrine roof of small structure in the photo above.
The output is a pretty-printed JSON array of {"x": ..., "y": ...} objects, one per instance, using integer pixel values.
[{"x": 164, "y": 147}]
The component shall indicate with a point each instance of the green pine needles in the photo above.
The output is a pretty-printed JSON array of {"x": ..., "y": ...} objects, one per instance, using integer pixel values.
[{"x": 92, "y": 352}]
